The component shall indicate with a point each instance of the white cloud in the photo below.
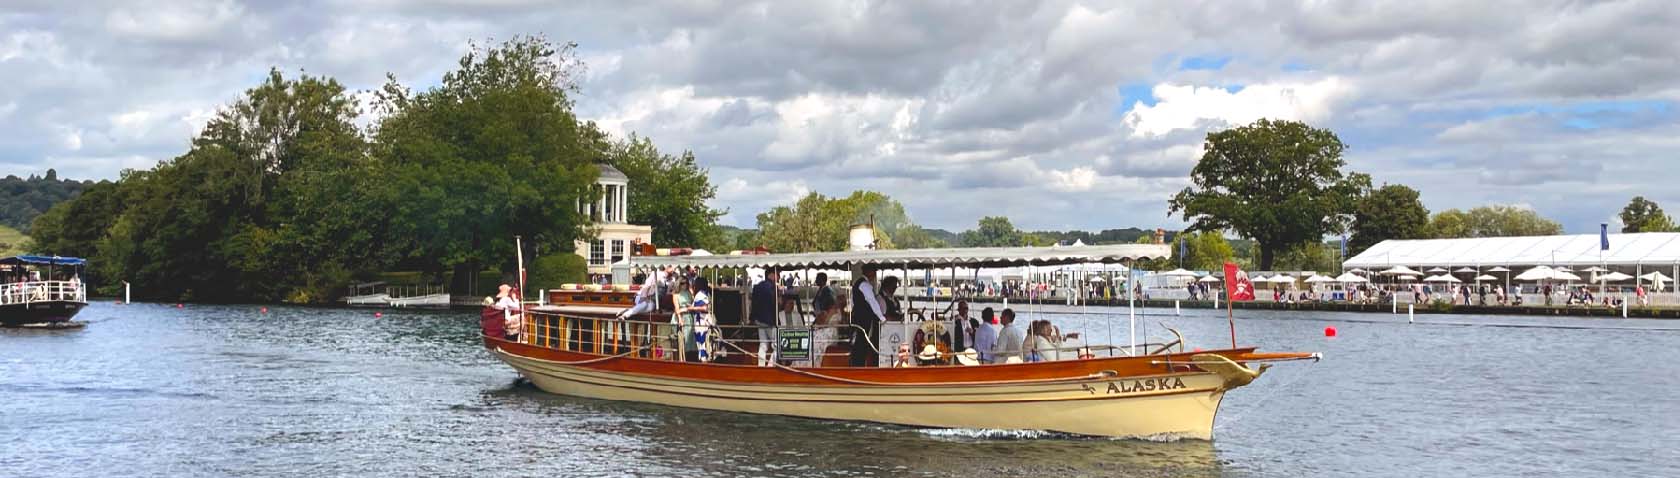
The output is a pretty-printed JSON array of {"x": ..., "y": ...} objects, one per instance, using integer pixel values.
[{"x": 1189, "y": 106}]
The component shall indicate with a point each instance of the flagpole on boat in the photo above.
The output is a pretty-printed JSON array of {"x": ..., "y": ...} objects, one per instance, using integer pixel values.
[
  {"x": 519, "y": 257},
  {"x": 1230, "y": 300}
]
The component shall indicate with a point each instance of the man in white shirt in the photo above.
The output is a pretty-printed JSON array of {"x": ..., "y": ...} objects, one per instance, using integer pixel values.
[
  {"x": 1008, "y": 340},
  {"x": 646, "y": 297},
  {"x": 985, "y": 336}
]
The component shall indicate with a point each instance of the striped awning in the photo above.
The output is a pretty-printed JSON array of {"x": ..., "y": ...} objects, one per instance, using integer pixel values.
[{"x": 924, "y": 258}]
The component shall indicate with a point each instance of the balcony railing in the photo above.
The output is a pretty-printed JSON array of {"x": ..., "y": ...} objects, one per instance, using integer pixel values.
[{"x": 42, "y": 291}]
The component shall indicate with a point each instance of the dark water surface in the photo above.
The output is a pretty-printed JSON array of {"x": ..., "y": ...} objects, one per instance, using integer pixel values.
[{"x": 151, "y": 390}]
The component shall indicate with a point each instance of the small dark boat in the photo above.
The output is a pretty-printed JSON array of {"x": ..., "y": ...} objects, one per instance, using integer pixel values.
[{"x": 36, "y": 290}]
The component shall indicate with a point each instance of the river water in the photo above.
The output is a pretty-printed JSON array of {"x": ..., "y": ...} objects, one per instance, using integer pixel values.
[{"x": 155, "y": 390}]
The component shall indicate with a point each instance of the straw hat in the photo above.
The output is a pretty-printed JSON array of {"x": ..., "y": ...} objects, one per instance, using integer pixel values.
[
  {"x": 929, "y": 352},
  {"x": 968, "y": 357}
]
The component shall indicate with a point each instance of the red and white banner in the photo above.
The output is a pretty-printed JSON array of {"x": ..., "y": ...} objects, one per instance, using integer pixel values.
[{"x": 1237, "y": 285}]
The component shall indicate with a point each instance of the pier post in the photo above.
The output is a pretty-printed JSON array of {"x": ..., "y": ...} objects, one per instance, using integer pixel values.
[
  {"x": 1624, "y": 307},
  {"x": 1175, "y": 308},
  {"x": 1410, "y": 317},
  {"x": 1394, "y": 300},
  {"x": 126, "y": 296}
]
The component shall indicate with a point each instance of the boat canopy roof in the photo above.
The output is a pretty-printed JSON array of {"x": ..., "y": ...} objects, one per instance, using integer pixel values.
[
  {"x": 44, "y": 260},
  {"x": 926, "y": 258}
]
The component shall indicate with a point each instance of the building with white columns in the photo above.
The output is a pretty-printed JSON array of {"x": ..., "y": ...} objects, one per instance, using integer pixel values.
[{"x": 610, "y": 214}]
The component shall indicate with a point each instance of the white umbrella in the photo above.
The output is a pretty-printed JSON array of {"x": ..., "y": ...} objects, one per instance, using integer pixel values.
[
  {"x": 1442, "y": 278},
  {"x": 1595, "y": 269},
  {"x": 1401, "y": 271},
  {"x": 1484, "y": 277},
  {"x": 1436, "y": 270},
  {"x": 1565, "y": 276},
  {"x": 1465, "y": 270},
  {"x": 1406, "y": 277},
  {"x": 1209, "y": 278},
  {"x": 1318, "y": 278},
  {"x": 1178, "y": 273},
  {"x": 1348, "y": 277},
  {"x": 1564, "y": 269},
  {"x": 1499, "y": 269},
  {"x": 1537, "y": 273},
  {"x": 1096, "y": 279},
  {"x": 1357, "y": 270},
  {"x": 1611, "y": 277}
]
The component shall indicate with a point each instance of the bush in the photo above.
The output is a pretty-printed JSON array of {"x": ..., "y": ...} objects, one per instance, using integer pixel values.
[{"x": 549, "y": 271}]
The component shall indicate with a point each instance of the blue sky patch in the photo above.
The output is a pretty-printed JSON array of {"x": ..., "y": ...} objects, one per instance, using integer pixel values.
[{"x": 1213, "y": 63}]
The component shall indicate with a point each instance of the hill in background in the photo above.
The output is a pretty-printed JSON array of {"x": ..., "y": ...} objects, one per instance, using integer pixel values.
[{"x": 23, "y": 199}]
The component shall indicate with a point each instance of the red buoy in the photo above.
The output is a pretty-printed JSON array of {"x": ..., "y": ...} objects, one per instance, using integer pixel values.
[
  {"x": 178, "y": 306},
  {"x": 1197, "y": 349},
  {"x": 378, "y": 314},
  {"x": 264, "y": 310},
  {"x": 1330, "y": 331}
]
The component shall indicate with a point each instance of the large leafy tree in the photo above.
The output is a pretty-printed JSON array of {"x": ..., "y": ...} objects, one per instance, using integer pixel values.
[
  {"x": 492, "y": 152},
  {"x": 993, "y": 231},
  {"x": 669, "y": 193},
  {"x": 1491, "y": 221},
  {"x": 1643, "y": 215},
  {"x": 820, "y": 223},
  {"x": 1277, "y": 182},
  {"x": 1206, "y": 250},
  {"x": 1392, "y": 211}
]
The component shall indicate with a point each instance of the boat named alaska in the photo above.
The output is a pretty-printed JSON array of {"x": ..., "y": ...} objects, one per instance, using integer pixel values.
[{"x": 578, "y": 344}]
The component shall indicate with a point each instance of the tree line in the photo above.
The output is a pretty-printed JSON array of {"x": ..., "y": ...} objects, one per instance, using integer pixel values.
[
  {"x": 21, "y": 200},
  {"x": 284, "y": 196}
]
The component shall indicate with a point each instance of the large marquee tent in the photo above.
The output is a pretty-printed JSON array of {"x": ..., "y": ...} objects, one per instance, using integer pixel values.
[{"x": 1655, "y": 250}]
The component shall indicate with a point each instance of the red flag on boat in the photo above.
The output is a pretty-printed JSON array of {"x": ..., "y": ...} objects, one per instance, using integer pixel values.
[{"x": 1237, "y": 285}]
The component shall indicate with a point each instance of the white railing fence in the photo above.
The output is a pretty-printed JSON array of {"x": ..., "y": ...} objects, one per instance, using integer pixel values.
[{"x": 42, "y": 291}]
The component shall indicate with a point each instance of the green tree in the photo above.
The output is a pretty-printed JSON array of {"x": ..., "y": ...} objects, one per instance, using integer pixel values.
[
  {"x": 669, "y": 193},
  {"x": 994, "y": 231},
  {"x": 1277, "y": 182},
  {"x": 915, "y": 237},
  {"x": 1491, "y": 221},
  {"x": 492, "y": 152},
  {"x": 1207, "y": 250},
  {"x": 1643, "y": 215},
  {"x": 1311, "y": 256},
  {"x": 819, "y": 223},
  {"x": 1392, "y": 211}
]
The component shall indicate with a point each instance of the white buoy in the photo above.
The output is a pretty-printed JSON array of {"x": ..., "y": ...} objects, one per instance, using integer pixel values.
[
  {"x": 1410, "y": 317},
  {"x": 1395, "y": 301},
  {"x": 1175, "y": 308},
  {"x": 1624, "y": 308},
  {"x": 126, "y": 296}
]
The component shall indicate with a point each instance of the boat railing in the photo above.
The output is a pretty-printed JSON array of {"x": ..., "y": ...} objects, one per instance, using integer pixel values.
[
  {"x": 656, "y": 337},
  {"x": 42, "y": 291}
]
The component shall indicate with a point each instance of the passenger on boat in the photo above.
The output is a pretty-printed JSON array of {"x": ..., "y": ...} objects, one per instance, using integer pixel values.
[
  {"x": 985, "y": 336},
  {"x": 965, "y": 326},
  {"x": 824, "y": 303},
  {"x": 682, "y": 345},
  {"x": 866, "y": 317},
  {"x": 646, "y": 298},
  {"x": 507, "y": 300},
  {"x": 700, "y": 313},
  {"x": 891, "y": 309},
  {"x": 762, "y": 313},
  {"x": 1009, "y": 340},
  {"x": 1041, "y": 345}
]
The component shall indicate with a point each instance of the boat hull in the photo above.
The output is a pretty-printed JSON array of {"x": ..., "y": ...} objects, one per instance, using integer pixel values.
[
  {"x": 42, "y": 312},
  {"x": 1170, "y": 405}
]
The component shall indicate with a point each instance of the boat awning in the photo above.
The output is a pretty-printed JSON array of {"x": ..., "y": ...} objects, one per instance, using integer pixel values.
[
  {"x": 44, "y": 260},
  {"x": 925, "y": 258}
]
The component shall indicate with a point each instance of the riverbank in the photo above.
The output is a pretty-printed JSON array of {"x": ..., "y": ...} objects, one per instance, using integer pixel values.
[{"x": 1574, "y": 311}]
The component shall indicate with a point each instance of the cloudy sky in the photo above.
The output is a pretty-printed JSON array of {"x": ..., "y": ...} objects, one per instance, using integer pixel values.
[{"x": 1059, "y": 114}]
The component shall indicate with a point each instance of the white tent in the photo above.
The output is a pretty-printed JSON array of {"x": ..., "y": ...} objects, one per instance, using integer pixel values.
[
  {"x": 1096, "y": 279},
  {"x": 1465, "y": 270},
  {"x": 1442, "y": 278},
  {"x": 1595, "y": 269},
  {"x": 1209, "y": 278},
  {"x": 1499, "y": 269},
  {"x": 1437, "y": 270},
  {"x": 1611, "y": 277},
  {"x": 1178, "y": 273},
  {"x": 1350, "y": 278},
  {"x": 1575, "y": 250},
  {"x": 1357, "y": 270},
  {"x": 1281, "y": 279},
  {"x": 1655, "y": 276},
  {"x": 1400, "y": 271},
  {"x": 1484, "y": 277},
  {"x": 1543, "y": 273},
  {"x": 1315, "y": 279}
]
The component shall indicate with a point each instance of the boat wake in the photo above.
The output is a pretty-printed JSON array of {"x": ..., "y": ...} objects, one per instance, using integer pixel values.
[{"x": 1002, "y": 434}]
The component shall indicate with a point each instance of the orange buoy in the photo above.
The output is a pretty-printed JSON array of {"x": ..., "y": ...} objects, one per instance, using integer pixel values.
[{"x": 1330, "y": 331}]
